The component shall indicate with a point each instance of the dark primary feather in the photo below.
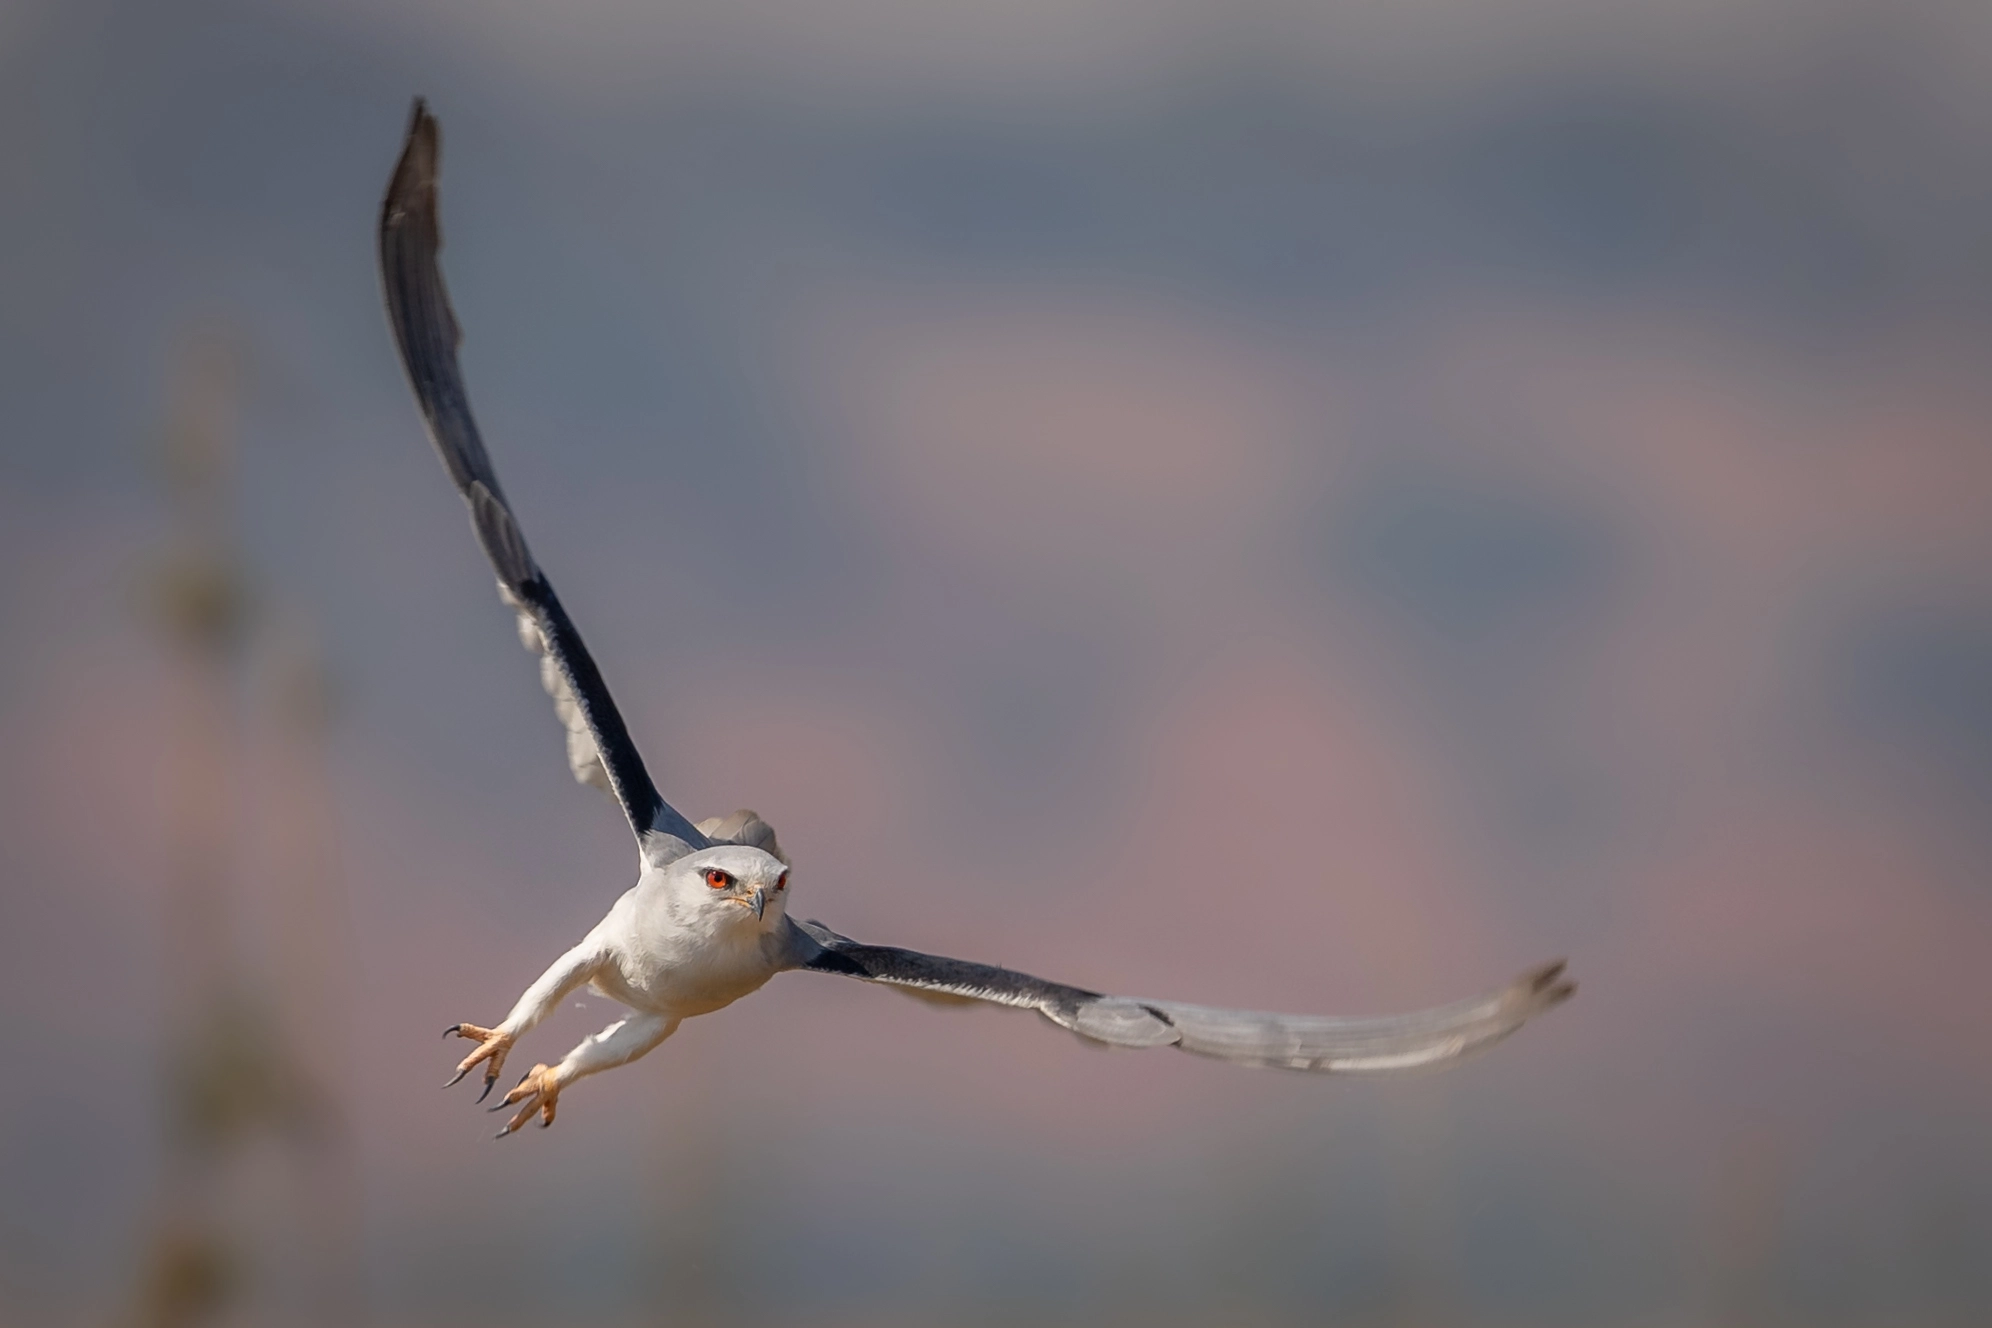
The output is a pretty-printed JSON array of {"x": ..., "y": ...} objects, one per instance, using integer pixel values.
[
  {"x": 425, "y": 330},
  {"x": 1323, "y": 1043},
  {"x": 825, "y": 951}
]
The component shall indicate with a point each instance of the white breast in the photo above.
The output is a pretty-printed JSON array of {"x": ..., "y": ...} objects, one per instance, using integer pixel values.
[{"x": 680, "y": 968}]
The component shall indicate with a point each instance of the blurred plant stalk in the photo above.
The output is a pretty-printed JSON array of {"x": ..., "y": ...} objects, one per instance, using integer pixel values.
[{"x": 233, "y": 1077}]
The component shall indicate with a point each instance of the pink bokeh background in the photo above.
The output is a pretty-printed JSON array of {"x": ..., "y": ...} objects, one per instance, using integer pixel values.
[{"x": 950, "y": 452}]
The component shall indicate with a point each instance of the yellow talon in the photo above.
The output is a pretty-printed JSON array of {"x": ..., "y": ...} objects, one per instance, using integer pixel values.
[
  {"x": 492, "y": 1048},
  {"x": 539, "y": 1091}
]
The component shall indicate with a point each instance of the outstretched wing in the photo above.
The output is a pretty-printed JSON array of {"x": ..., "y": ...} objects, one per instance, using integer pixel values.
[
  {"x": 1323, "y": 1043},
  {"x": 599, "y": 749}
]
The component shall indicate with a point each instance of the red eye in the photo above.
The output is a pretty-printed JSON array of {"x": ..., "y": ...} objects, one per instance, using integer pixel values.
[
  {"x": 717, "y": 879},
  {"x": 782, "y": 881}
]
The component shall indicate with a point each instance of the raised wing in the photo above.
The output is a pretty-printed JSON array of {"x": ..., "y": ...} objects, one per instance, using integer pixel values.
[
  {"x": 599, "y": 749},
  {"x": 1322, "y": 1043}
]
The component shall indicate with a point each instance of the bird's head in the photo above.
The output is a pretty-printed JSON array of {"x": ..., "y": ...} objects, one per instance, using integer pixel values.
[{"x": 734, "y": 884}]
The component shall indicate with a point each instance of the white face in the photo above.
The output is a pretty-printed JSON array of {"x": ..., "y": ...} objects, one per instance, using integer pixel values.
[{"x": 733, "y": 884}]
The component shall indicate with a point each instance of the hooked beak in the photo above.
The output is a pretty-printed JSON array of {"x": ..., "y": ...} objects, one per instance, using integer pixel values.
[{"x": 760, "y": 902}]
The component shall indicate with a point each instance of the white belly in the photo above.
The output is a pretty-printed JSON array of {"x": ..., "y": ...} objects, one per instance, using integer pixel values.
[{"x": 689, "y": 975}]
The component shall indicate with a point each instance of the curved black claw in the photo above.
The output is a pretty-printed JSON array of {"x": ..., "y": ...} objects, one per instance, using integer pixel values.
[
  {"x": 494, "y": 1079},
  {"x": 452, "y": 1030},
  {"x": 490, "y": 1081}
]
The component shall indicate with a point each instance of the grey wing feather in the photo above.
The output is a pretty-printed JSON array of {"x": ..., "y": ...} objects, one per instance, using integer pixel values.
[
  {"x": 1321, "y": 1043},
  {"x": 599, "y": 748},
  {"x": 1372, "y": 1045}
]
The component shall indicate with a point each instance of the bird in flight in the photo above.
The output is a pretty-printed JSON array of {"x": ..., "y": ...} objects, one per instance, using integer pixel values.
[{"x": 707, "y": 921}]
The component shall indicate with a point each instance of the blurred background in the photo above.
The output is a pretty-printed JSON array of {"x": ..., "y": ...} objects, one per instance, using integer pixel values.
[{"x": 1306, "y": 506}]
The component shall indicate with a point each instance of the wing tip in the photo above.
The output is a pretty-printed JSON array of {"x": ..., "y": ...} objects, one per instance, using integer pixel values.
[
  {"x": 1543, "y": 987},
  {"x": 411, "y": 190},
  {"x": 424, "y": 140}
]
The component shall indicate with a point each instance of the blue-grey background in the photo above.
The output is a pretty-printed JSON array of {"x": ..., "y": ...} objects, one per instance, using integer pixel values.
[{"x": 1308, "y": 506}]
